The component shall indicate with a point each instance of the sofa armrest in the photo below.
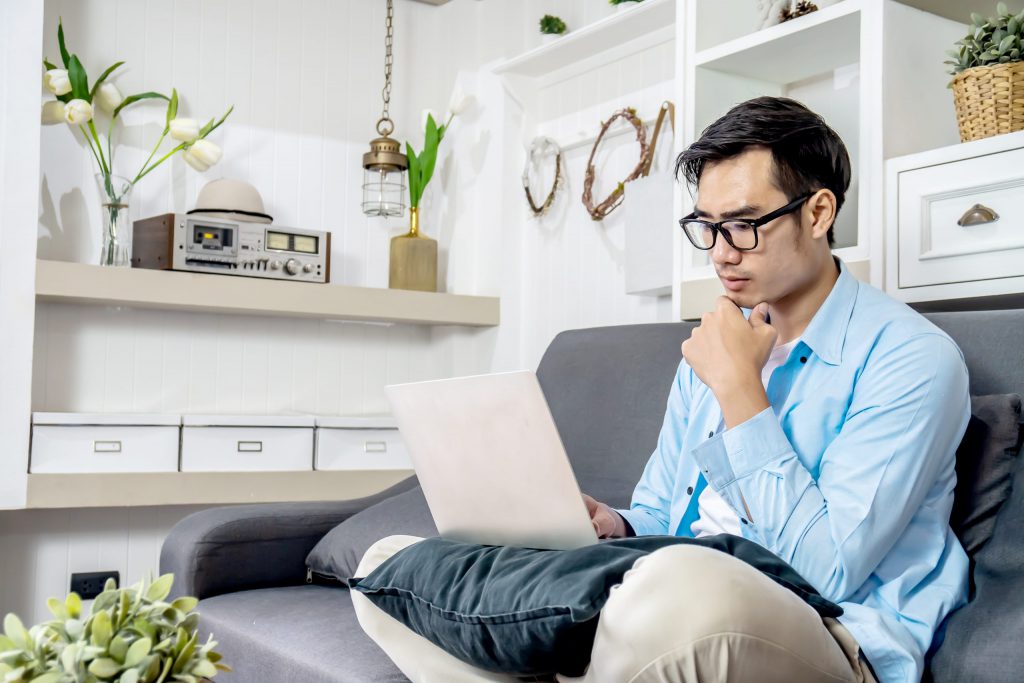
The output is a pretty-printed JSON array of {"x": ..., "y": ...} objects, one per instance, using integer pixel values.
[{"x": 240, "y": 547}]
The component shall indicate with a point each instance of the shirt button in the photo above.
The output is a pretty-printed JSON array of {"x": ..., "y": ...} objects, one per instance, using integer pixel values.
[
  {"x": 689, "y": 490},
  {"x": 744, "y": 520},
  {"x": 803, "y": 359},
  {"x": 710, "y": 434}
]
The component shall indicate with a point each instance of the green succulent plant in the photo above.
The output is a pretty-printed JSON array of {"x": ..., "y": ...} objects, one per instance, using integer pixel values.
[
  {"x": 552, "y": 25},
  {"x": 131, "y": 635},
  {"x": 989, "y": 41},
  {"x": 621, "y": 2}
]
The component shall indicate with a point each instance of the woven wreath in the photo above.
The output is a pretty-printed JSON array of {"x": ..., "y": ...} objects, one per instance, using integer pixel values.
[
  {"x": 612, "y": 201},
  {"x": 539, "y": 148}
]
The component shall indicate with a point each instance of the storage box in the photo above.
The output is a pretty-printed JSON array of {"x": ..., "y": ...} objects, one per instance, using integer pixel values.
[
  {"x": 360, "y": 443},
  {"x": 104, "y": 442},
  {"x": 246, "y": 443}
]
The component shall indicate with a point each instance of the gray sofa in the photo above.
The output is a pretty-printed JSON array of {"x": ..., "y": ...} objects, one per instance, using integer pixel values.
[{"x": 607, "y": 389}]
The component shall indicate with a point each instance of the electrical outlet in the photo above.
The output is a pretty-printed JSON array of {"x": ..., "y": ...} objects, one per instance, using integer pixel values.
[{"x": 90, "y": 584}]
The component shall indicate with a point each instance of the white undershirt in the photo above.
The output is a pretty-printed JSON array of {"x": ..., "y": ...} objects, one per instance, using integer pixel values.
[{"x": 716, "y": 517}]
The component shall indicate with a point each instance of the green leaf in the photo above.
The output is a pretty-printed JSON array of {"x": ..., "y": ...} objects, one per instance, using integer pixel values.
[
  {"x": 51, "y": 677},
  {"x": 1006, "y": 44},
  {"x": 104, "y": 667},
  {"x": 207, "y": 129},
  {"x": 73, "y": 603},
  {"x": 101, "y": 629},
  {"x": 132, "y": 99},
  {"x": 65, "y": 57},
  {"x": 79, "y": 81},
  {"x": 6, "y": 644},
  {"x": 57, "y": 608},
  {"x": 172, "y": 109},
  {"x": 160, "y": 588},
  {"x": 138, "y": 651},
  {"x": 204, "y": 668},
  {"x": 15, "y": 630},
  {"x": 130, "y": 676},
  {"x": 185, "y": 604},
  {"x": 47, "y": 64},
  {"x": 1001, "y": 9},
  {"x": 181, "y": 661},
  {"x": 414, "y": 176},
  {"x": 103, "y": 77},
  {"x": 118, "y": 648}
]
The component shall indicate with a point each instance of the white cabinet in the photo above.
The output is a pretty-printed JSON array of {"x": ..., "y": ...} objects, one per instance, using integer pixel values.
[
  {"x": 104, "y": 443},
  {"x": 246, "y": 443},
  {"x": 360, "y": 443},
  {"x": 955, "y": 224}
]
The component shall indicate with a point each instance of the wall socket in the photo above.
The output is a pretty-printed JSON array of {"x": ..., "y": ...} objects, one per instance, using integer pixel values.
[{"x": 90, "y": 584}]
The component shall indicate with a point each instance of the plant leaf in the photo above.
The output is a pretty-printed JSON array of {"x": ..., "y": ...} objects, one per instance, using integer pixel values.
[
  {"x": 414, "y": 176},
  {"x": 160, "y": 588},
  {"x": 48, "y": 64},
  {"x": 101, "y": 629},
  {"x": 138, "y": 651},
  {"x": 104, "y": 667},
  {"x": 428, "y": 158},
  {"x": 79, "y": 81},
  {"x": 65, "y": 57},
  {"x": 185, "y": 604},
  {"x": 15, "y": 630},
  {"x": 103, "y": 77},
  {"x": 172, "y": 109},
  {"x": 73, "y": 603},
  {"x": 51, "y": 677},
  {"x": 132, "y": 99}
]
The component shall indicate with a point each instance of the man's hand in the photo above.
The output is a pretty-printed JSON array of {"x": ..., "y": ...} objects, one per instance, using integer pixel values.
[
  {"x": 728, "y": 353},
  {"x": 607, "y": 522}
]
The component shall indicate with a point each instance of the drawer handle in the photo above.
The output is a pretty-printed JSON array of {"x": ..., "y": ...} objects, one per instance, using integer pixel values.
[
  {"x": 106, "y": 446},
  {"x": 375, "y": 447},
  {"x": 250, "y": 446},
  {"x": 978, "y": 215}
]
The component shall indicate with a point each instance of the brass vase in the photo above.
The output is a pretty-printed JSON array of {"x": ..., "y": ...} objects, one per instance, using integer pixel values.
[{"x": 413, "y": 258}]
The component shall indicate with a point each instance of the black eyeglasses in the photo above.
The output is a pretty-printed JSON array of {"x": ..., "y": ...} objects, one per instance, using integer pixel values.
[{"x": 740, "y": 233}]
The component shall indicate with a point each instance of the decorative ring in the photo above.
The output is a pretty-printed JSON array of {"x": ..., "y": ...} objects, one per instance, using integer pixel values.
[
  {"x": 540, "y": 147},
  {"x": 612, "y": 201},
  {"x": 390, "y": 126}
]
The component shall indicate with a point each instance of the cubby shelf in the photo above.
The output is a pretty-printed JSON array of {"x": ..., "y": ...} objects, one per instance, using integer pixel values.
[{"x": 80, "y": 283}]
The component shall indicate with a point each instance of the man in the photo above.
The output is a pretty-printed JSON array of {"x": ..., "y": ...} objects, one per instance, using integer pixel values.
[{"x": 811, "y": 414}]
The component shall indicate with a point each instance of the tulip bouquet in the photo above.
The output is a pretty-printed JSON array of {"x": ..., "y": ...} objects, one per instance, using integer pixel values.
[{"x": 77, "y": 104}]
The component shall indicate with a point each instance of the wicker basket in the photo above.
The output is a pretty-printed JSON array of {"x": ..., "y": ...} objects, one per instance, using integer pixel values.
[{"x": 989, "y": 100}]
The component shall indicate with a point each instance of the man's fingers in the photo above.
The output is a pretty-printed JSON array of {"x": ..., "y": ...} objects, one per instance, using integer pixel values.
[{"x": 757, "y": 315}]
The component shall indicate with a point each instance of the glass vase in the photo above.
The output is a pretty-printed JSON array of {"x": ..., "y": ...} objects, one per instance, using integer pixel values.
[{"x": 115, "y": 194}]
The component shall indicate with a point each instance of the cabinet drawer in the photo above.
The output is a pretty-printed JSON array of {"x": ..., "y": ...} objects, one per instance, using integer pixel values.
[
  {"x": 360, "y": 449},
  {"x": 103, "y": 448},
  {"x": 934, "y": 249},
  {"x": 228, "y": 444}
]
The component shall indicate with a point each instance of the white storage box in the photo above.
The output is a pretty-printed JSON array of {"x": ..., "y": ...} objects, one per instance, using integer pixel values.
[
  {"x": 246, "y": 443},
  {"x": 360, "y": 443},
  {"x": 104, "y": 442}
]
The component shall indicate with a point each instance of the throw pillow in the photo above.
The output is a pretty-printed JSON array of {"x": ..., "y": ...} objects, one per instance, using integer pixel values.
[
  {"x": 531, "y": 612},
  {"x": 336, "y": 556},
  {"x": 984, "y": 467}
]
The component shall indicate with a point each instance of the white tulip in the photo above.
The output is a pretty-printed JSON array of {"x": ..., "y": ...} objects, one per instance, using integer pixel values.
[
  {"x": 459, "y": 101},
  {"x": 185, "y": 130},
  {"x": 108, "y": 97},
  {"x": 77, "y": 112},
  {"x": 57, "y": 81},
  {"x": 53, "y": 112},
  {"x": 202, "y": 154}
]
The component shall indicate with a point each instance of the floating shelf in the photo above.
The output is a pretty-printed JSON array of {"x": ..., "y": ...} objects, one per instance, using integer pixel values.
[
  {"x": 79, "y": 283},
  {"x": 203, "y": 488},
  {"x": 785, "y": 53},
  {"x": 631, "y": 30}
]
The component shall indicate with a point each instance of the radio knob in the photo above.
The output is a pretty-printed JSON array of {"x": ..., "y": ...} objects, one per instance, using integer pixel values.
[
  {"x": 276, "y": 265},
  {"x": 292, "y": 266},
  {"x": 308, "y": 268}
]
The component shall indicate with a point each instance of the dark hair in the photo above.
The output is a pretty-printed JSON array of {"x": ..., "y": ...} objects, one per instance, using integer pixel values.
[{"x": 807, "y": 154}]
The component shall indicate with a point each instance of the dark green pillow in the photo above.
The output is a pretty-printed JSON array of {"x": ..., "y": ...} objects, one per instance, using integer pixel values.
[{"x": 531, "y": 612}]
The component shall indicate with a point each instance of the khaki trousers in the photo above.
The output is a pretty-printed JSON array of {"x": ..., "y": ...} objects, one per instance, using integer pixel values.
[{"x": 681, "y": 613}]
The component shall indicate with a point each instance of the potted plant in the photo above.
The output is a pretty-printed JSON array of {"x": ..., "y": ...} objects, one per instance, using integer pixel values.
[
  {"x": 988, "y": 75},
  {"x": 551, "y": 28},
  {"x": 623, "y": 4},
  {"x": 129, "y": 636}
]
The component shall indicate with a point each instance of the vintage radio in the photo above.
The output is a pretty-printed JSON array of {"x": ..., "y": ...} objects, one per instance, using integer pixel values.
[{"x": 197, "y": 244}]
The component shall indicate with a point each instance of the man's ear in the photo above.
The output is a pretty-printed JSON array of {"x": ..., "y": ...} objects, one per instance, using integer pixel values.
[{"x": 821, "y": 211}]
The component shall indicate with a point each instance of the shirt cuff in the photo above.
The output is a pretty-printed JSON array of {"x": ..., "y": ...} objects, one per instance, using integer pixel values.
[
  {"x": 641, "y": 523},
  {"x": 742, "y": 450}
]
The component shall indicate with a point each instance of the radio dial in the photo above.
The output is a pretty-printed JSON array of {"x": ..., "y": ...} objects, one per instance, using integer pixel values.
[
  {"x": 276, "y": 265},
  {"x": 292, "y": 266}
]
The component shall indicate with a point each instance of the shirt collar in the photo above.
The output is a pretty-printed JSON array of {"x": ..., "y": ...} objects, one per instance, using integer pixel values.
[{"x": 826, "y": 333}]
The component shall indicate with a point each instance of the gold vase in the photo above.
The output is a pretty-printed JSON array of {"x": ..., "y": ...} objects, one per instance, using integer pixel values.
[{"x": 413, "y": 258}]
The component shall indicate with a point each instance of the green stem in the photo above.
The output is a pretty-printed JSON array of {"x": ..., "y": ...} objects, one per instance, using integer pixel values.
[
  {"x": 99, "y": 146},
  {"x": 159, "y": 161},
  {"x": 92, "y": 149},
  {"x": 110, "y": 141},
  {"x": 151, "y": 154}
]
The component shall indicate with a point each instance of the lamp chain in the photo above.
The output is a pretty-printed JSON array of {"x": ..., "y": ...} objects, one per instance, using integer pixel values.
[{"x": 385, "y": 125}]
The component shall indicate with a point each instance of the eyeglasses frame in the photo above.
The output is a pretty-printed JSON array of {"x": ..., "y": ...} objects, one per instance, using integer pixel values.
[{"x": 754, "y": 223}]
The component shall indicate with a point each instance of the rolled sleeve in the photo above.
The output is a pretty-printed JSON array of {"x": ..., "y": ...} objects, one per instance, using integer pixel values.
[{"x": 746, "y": 448}]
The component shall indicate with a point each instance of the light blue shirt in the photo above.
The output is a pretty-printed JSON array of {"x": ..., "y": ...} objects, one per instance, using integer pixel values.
[{"x": 848, "y": 476}]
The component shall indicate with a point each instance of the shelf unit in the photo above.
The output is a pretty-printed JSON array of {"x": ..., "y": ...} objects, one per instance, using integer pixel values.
[
  {"x": 203, "y": 488},
  {"x": 78, "y": 283}
]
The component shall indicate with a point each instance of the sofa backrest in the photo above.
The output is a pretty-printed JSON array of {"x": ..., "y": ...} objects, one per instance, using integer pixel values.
[{"x": 608, "y": 387}]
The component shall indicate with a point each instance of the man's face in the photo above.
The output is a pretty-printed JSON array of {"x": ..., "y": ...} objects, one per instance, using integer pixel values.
[{"x": 779, "y": 265}]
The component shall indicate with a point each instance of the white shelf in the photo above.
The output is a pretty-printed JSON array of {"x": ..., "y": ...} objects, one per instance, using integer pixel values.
[
  {"x": 647, "y": 24},
  {"x": 807, "y": 46},
  {"x": 80, "y": 283},
  {"x": 203, "y": 488}
]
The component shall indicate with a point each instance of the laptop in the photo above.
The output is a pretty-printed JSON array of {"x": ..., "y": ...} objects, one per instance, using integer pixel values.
[{"x": 490, "y": 461}]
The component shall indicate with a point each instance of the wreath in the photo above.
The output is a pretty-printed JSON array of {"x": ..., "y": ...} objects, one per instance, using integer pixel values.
[
  {"x": 540, "y": 147},
  {"x": 612, "y": 201}
]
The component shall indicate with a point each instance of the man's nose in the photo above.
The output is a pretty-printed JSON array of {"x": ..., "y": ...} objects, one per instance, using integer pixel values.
[{"x": 723, "y": 252}]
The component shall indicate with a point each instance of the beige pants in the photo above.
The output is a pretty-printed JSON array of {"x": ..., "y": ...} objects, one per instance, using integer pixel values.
[{"x": 681, "y": 613}]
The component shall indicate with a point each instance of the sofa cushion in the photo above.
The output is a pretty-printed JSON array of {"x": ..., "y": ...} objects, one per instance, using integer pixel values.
[
  {"x": 531, "y": 612},
  {"x": 336, "y": 556},
  {"x": 296, "y": 633},
  {"x": 984, "y": 467},
  {"x": 982, "y": 639}
]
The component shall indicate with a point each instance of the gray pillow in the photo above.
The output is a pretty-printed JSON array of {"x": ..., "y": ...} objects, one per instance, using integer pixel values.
[
  {"x": 336, "y": 556},
  {"x": 984, "y": 467}
]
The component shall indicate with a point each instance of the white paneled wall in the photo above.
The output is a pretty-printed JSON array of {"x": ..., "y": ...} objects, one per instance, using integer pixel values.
[{"x": 305, "y": 79}]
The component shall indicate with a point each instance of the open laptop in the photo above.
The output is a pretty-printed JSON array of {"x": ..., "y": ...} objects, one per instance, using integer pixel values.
[{"x": 490, "y": 461}]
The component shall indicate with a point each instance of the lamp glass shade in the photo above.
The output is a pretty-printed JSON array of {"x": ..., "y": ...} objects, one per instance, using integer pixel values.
[{"x": 383, "y": 192}]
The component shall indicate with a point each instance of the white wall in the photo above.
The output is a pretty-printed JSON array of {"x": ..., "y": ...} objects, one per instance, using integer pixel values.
[{"x": 305, "y": 79}]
